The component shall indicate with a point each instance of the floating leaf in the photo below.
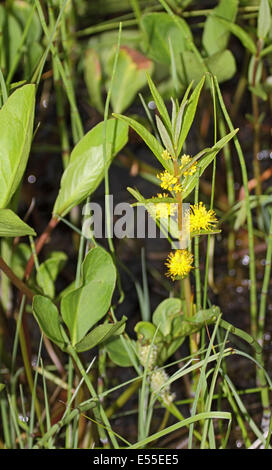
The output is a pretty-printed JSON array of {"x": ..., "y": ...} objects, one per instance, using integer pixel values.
[
  {"x": 240, "y": 33},
  {"x": 130, "y": 77},
  {"x": 93, "y": 77},
  {"x": 98, "y": 265},
  {"x": 164, "y": 314},
  {"x": 16, "y": 124},
  {"x": 159, "y": 28},
  {"x": 12, "y": 226},
  {"x": 82, "y": 308},
  {"x": 48, "y": 272},
  {"x": 215, "y": 35},
  {"x": 117, "y": 352},
  {"x": 47, "y": 315},
  {"x": 86, "y": 167}
]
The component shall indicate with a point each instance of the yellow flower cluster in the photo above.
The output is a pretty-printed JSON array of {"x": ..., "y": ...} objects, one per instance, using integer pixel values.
[
  {"x": 201, "y": 218},
  {"x": 166, "y": 155},
  {"x": 164, "y": 210},
  {"x": 185, "y": 160},
  {"x": 169, "y": 181},
  {"x": 179, "y": 264}
]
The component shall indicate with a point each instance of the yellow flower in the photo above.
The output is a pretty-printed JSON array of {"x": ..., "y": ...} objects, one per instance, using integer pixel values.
[
  {"x": 185, "y": 160},
  {"x": 201, "y": 218},
  {"x": 179, "y": 264},
  {"x": 169, "y": 182},
  {"x": 162, "y": 195},
  {"x": 162, "y": 210},
  {"x": 177, "y": 188},
  {"x": 166, "y": 155}
]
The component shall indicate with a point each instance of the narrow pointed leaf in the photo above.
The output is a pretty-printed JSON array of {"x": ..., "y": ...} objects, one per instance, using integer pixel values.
[
  {"x": 100, "y": 334},
  {"x": 165, "y": 136},
  {"x": 189, "y": 114},
  {"x": 159, "y": 103},
  {"x": 148, "y": 138}
]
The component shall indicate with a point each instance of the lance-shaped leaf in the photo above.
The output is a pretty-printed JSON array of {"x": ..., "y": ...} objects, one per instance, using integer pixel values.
[
  {"x": 165, "y": 136},
  {"x": 47, "y": 315},
  {"x": 87, "y": 165},
  {"x": 264, "y": 19},
  {"x": 189, "y": 114},
  {"x": 100, "y": 334},
  {"x": 205, "y": 161},
  {"x": 12, "y": 226},
  {"x": 16, "y": 124},
  {"x": 160, "y": 104},
  {"x": 149, "y": 139}
]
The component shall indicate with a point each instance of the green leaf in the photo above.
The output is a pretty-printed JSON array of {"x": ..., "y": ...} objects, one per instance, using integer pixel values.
[
  {"x": 222, "y": 64},
  {"x": 240, "y": 33},
  {"x": 215, "y": 35},
  {"x": 100, "y": 334},
  {"x": 205, "y": 161},
  {"x": 189, "y": 114},
  {"x": 166, "y": 140},
  {"x": 16, "y": 124},
  {"x": 93, "y": 77},
  {"x": 98, "y": 265},
  {"x": 194, "y": 323},
  {"x": 2, "y": 386},
  {"x": 148, "y": 138},
  {"x": 145, "y": 331},
  {"x": 82, "y": 308},
  {"x": 159, "y": 28},
  {"x": 160, "y": 104},
  {"x": 264, "y": 19},
  {"x": 20, "y": 257},
  {"x": 48, "y": 272},
  {"x": 117, "y": 352},
  {"x": 47, "y": 315},
  {"x": 259, "y": 91},
  {"x": 21, "y": 10},
  {"x": 11, "y": 33},
  {"x": 86, "y": 167},
  {"x": 164, "y": 314},
  {"x": 12, "y": 226},
  {"x": 130, "y": 77}
]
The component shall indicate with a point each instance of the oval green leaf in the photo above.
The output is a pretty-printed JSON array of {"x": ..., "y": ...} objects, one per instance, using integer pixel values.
[{"x": 86, "y": 168}]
